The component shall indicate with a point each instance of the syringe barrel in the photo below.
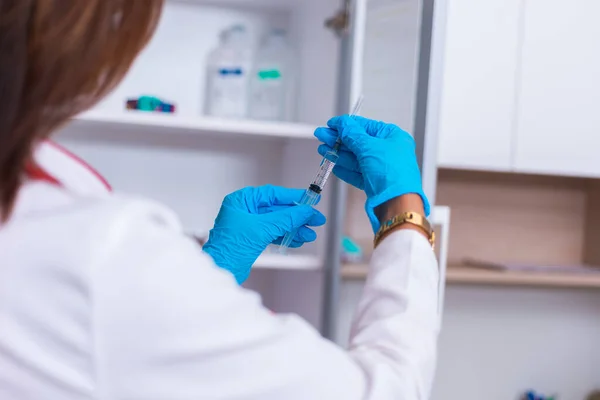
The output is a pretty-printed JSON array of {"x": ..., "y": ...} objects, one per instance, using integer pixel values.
[
  {"x": 309, "y": 198},
  {"x": 325, "y": 169}
]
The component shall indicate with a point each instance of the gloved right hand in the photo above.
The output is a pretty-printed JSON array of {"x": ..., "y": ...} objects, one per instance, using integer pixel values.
[{"x": 376, "y": 157}]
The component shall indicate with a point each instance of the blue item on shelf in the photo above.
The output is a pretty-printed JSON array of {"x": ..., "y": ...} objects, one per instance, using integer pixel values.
[
  {"x": 149, "y": 103},
  {"x": 351, "y": 251},
  {"x": 531, "y": 395}
]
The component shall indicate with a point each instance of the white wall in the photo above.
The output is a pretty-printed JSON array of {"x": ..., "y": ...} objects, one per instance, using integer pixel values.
[{"x": 498, "y": 342}]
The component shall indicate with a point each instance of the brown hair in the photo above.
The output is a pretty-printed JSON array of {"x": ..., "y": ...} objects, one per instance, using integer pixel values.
[{"x": 58, "y": 58}]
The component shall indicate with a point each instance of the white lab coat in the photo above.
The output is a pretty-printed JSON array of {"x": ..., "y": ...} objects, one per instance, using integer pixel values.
[{"x": 103, "y": 297}]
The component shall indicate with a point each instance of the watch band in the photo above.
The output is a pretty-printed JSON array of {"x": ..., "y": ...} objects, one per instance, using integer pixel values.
[{"x": 408, "y": 217}]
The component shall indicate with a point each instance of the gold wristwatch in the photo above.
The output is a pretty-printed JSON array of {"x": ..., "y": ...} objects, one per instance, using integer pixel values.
[{"x": 408, "y": 217}]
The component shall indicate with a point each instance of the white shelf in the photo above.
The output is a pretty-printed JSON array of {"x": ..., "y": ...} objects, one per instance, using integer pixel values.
[
  {"x": 288, "y": 262},
  {"x": 477, "y": 276},
  {"x": 474, "y": 276},
  {"x": 104, "y": 123}
]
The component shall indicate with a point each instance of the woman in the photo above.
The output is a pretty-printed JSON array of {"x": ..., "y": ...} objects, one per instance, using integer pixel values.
[{"x": 103, "y": 297}]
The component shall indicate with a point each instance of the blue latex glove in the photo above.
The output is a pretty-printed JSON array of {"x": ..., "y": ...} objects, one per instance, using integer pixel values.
[
  {"x": 251, "y": 219},
  {"x": 376, "y": 157}
]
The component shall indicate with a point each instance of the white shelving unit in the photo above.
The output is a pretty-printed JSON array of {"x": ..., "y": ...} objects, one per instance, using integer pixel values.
[{"x": 189, "y": 161}]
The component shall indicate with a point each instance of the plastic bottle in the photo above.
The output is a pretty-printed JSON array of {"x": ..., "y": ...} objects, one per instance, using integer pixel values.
[
  {"x": 229, "y": 66},
  {"x": 271, "y": 80}
]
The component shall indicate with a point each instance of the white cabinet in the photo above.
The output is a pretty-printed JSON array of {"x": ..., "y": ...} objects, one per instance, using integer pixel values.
[
  {"x": 558, "y": 130},
  {"x": 521, "y": 87},
  {"x": 479, "y": 84}
]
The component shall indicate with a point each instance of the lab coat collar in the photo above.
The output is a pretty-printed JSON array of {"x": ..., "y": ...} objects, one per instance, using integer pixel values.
[
  {"x": 58, "y": 166},
  {"x": 53, "y": 178}
]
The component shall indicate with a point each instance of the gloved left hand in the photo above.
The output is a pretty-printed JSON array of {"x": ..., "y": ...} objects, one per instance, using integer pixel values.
[{"x": 254, "y": 217}]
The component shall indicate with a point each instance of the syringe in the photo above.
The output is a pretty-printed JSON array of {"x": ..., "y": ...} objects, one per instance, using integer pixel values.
[{"x": 311, "y": 195}]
